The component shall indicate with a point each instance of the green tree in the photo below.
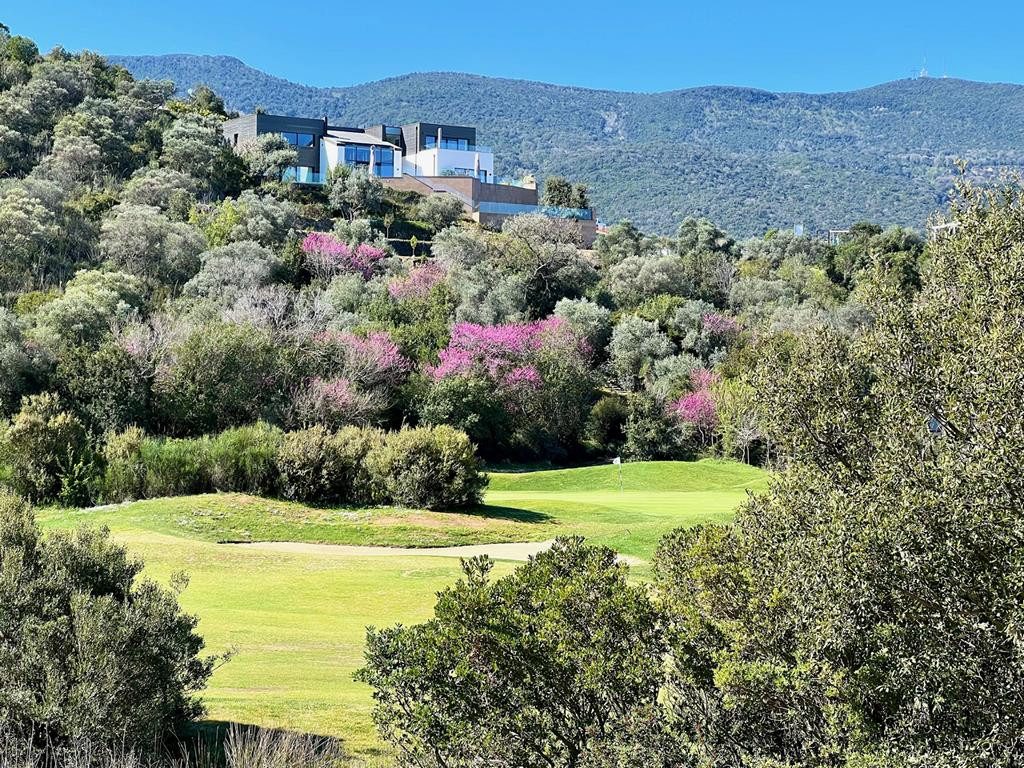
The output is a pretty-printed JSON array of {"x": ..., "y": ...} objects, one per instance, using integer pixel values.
[
  {"x": 440, "y": 211},
  {"x": 220, "y": 376},
  {"x": 865, "y": 610},
  {"x": 89, "y": 650},
  {"x": 46, "y": 453},
  {"x": 267, "y": 156},
  {"x": 534, "y": 668}
]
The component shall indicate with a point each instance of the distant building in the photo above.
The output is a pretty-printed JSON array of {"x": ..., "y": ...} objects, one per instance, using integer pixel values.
[{"x": 427, "y": 158}]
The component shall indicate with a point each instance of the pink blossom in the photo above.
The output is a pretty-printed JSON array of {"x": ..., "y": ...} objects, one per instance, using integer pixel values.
[
  {"x": 702, "y": 379},
  {"x": 720, "y": 324},
  {"x": 523, "y": 376},
  {"x": 334, "y": 402},
  {"x": 697, "y": 408},
  {"x": 418, "y": 283},
  {"x": 328, "y": 256},
  {"x": 497, "y": 348},
  {"x": 370, "y": 361}
]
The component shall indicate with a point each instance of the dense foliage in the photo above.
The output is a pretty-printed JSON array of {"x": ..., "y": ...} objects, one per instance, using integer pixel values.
[
  {"x": 180, "y": 288},
  {"x": 89, "y": 651},
  {"x": 864, "y": 611},
  {"x": 748, "y": 159},
  {"x": 541, "y": 667}
]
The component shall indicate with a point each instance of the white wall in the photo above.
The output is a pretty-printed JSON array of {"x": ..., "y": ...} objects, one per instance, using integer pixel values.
[
  {"x": 434, "y": 162},
  {"x": 332, "y": 154}
]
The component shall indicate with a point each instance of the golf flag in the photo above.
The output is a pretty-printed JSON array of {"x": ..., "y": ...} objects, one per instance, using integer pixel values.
[{"x": 616, "y": 460}]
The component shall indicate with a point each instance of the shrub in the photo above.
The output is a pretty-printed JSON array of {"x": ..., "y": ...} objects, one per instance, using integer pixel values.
[
  {"x": 124, "y": 477},
  {"x": 244, "y": 459},
  {"x": 175, "y": 466},
  {"x": 43, "y": 447},
  {"x": 353, "y": 446},
  {"x": 305, "y": 463},
  {"x": 429, "y": 467},
  {"x": 538, "y": 667},
  {"x": 606, "y": 424},
  {"x": 89, "y": 651}
]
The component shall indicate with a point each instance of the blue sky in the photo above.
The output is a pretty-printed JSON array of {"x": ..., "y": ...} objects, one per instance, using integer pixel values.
[{"x": 640, "y": 45}]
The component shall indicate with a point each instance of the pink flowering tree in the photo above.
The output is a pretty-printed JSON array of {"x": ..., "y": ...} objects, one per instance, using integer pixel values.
[
  {"x": 367, "y": 362},
  {"x": 697, "y": 409},
  {"x": 334, "y": 403},
  {"x": 327, "y": 256},
  {"x": 353, "y": 379},
  {"x": 418, "y": 283},
  {"x": 720, "y": 329},
  {"x": 540, "y": 372},
  {"x": 496, "y": 350}
]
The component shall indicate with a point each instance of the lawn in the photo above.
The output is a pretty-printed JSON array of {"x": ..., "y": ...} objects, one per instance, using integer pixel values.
[{"x": 297, "y": 620}]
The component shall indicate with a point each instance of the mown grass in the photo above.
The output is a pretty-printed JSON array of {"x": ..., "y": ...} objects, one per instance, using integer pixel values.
[{"x": 298, "y": 620}]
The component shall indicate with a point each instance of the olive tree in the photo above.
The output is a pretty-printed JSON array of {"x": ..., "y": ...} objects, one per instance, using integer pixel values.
[
  {"x": 539, "y": 667},
  {"x": 141, "y": 240},
  {"x": 268, "y": 155},
  {"x": 439, "y": 211},
  {"x": 90, "y": 650},
  {"x": 866, "y": 608},
  {"x": 634, "y": 347}
]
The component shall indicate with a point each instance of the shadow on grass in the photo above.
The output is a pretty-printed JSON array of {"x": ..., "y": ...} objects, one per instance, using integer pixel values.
[
  {"x": 209, "y": 740},
  {"x": 495, "y": 512}
]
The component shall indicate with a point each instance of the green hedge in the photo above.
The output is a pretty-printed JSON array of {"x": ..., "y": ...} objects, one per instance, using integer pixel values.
[{"x": 428, "y": 467}]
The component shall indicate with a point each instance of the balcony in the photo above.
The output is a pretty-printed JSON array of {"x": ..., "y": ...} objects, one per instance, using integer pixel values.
[
  {"x": 552, "y": 211},
  {"x": 303, "y": 175},
  {"x": 459, "y": 145}
]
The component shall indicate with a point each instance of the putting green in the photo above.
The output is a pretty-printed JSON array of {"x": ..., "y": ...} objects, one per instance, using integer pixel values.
[{"x": 298, "y": 620}]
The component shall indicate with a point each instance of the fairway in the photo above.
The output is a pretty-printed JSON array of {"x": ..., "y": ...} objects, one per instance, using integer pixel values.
[{"x": 297, "y": 620}]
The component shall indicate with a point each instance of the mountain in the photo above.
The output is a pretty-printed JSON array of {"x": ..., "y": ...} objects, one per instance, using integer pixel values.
[{"x": 748, "y": 159}]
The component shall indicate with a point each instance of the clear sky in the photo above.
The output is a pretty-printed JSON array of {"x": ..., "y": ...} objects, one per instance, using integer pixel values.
[{"x": 640, "y": 45}]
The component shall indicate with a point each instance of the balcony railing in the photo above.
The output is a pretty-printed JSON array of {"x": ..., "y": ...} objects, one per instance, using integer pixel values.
[
  {"x": 303, "y": 175},
  {"x": 553, "y": 211},
  {"x": 508, "y": 181},
  {"x": 464, "y": 148}
]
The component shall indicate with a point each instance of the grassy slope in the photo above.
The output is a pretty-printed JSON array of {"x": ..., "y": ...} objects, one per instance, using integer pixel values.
[
  {"x": 532, "y": 506},
  {"x": 298, "y": 620}
]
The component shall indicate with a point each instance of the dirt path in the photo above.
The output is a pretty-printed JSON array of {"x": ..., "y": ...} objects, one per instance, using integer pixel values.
[{"x": 513, "y": 551}]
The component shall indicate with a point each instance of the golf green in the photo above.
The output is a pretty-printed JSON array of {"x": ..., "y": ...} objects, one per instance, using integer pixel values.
[{"x": 296, "y": 620}]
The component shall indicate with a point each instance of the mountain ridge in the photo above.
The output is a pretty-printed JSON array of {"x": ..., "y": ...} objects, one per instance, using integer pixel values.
[{"x": 748, "y": 158}]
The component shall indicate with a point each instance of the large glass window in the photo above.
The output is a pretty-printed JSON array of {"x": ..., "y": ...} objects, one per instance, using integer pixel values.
[
  {"x": 303, "y": 140},
  {"x": 385, "y": 162},
  {"x": 430, "y": 141},
  {"x": 301, "y": 174},
  {"x": 454, "y": 143},
  {"x": 356, "y": 154}
]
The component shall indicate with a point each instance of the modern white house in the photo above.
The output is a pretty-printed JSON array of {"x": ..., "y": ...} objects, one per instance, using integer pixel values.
[{"x": 426, "y": 158}]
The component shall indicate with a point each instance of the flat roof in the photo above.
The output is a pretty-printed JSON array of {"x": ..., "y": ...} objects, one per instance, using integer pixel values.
[{"x": 357, "y": 137}]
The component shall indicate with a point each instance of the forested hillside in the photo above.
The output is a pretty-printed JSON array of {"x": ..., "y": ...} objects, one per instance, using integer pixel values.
[{"x": 748, "y": 159}]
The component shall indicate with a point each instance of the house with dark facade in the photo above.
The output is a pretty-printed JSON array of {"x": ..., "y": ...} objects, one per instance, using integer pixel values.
[{"x": 427, "y": 158}]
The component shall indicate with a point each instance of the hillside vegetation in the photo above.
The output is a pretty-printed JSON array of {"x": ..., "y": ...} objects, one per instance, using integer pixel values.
[{"x": 748, "y": 159}]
